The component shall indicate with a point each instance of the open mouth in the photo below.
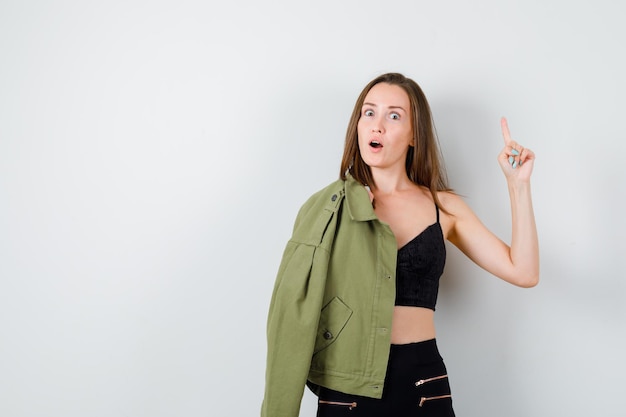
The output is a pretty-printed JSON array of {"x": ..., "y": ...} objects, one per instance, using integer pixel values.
[{"x": 375, "y": 144}]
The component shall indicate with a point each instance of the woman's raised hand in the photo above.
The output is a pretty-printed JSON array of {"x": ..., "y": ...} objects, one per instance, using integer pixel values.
[{"x": 515, "y": 160}]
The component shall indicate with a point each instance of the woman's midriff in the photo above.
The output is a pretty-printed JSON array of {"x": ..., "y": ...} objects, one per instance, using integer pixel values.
[{"x": 412, "y": 324}]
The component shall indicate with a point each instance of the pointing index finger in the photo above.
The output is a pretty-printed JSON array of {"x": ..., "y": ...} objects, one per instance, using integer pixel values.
[{"x": 505, "y": 131}]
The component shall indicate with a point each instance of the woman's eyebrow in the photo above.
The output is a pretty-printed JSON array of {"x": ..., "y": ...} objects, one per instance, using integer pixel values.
[{"x": 390, "y": 107}]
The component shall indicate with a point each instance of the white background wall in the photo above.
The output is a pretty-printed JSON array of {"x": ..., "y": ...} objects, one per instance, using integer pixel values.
[{"x": 153, "y": 156}]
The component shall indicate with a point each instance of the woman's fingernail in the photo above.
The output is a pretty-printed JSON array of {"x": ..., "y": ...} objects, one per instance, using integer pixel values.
[
  {"x": 514, "y": 164},
  {"x": 520, "y": 163},
  {"x": 514, "y": 152},
  {"x": 511, "y": 159}
]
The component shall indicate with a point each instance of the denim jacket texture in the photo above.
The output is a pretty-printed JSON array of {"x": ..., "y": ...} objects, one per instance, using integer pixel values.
[{"x": 329, "y": 319}]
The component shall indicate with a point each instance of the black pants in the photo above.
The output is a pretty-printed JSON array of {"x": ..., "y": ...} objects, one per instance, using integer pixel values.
[{"x": 416, "y": 385}]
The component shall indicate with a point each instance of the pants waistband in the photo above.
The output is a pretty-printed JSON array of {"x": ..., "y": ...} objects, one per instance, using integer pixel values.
[{"x": 414, "y": 353}]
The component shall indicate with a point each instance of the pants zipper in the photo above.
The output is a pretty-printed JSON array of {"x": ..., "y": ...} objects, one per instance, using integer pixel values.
[
  {"x": 425, "y": 381},
  {"x": 349, "y": 405},
  {"x": 440, "y": 397}
]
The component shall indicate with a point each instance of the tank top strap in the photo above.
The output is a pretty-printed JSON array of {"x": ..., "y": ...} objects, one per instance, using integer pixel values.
[{"x": 437, "y": 208}]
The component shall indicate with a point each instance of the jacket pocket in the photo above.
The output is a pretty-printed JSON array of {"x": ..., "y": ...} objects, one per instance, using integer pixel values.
[{"x": 333, "y": 319}]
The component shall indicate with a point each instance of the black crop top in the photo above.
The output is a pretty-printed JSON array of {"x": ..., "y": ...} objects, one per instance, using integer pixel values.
[{"x": 420, "y": 265}]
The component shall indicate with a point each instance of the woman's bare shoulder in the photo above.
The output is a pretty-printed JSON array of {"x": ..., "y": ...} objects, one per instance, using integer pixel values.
[
  {"x": 454, "y": 207},
  {"x": 451, "y": 201}
]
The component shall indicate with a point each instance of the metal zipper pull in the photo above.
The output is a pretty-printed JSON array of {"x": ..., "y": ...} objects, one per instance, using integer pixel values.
[
  {"x": 349, "y": 405},
  {"x": 440, "y": 397},
  {"x": 424, "y": 381}
]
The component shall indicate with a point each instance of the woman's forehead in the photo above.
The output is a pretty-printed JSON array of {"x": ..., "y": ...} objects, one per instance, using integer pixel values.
[{"x": 387, "y": 95}]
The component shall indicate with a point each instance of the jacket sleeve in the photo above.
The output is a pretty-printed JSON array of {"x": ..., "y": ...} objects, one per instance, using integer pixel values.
[{"x": 294, "y": 315}]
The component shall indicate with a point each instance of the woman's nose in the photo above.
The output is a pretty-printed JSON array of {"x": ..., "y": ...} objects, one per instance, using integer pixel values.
[{"x": 377, "y": 126}]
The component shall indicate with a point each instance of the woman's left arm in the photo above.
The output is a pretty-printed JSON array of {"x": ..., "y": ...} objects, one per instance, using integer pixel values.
[{"x": 519, "y": 262}]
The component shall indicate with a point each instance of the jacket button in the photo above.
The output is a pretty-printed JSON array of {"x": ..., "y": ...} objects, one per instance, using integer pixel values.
[
  {"x": 334, "y": 197},
  {"x": 328, "y": 335}
]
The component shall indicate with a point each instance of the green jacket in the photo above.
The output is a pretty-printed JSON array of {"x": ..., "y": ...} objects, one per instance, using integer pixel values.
[{"x": 330, "y": 315}]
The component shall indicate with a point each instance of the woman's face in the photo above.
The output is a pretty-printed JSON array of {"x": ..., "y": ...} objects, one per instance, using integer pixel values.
[{"x": 384, "y": 129}]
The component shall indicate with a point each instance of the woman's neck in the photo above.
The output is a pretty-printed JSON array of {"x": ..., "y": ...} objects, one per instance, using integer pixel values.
[{"x": 389, "y": 182}]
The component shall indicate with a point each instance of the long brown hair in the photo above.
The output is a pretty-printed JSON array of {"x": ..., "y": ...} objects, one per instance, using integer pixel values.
[{"x": 424, "y": 163}]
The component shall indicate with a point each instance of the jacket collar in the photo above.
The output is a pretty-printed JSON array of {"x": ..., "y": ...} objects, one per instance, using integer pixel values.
[{"x": 358, "y": 201}]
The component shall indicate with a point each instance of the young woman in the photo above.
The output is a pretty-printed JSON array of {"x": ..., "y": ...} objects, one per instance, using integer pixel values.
[{"x": 352, "y": 313}]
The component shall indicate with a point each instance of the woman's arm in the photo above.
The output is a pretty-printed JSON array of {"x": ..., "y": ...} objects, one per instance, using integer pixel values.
[{"x": 519, "y": 262}]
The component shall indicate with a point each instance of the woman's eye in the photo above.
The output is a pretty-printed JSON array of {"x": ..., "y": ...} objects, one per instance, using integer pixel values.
[
  {"x": 395, "y": 116},
  {"x": 368, "y": 113}
]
